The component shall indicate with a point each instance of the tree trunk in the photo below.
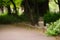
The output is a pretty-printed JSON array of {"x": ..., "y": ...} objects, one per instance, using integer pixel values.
[
  {"x": 9, "y": 9},
  {"x": 36, "y": 13},
  {"x": 34, "y": 9},
  {"x": 15, "y": 9},
  {"x": 59, "y": 4},
  {"x": 2, "y": 9},
  {"x": 28, "y": 11},
  {"x": 43, "y": 7}
]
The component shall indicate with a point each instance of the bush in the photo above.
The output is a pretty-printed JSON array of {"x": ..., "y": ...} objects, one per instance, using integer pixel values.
[
  {"x": 53, "y": 28},
  {"x": 7, "y": 19},
  {"x": 51, "y": 17},
  {"x": 24, "y": 18}
]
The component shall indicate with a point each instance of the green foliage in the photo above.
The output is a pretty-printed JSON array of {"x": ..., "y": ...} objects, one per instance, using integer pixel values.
[
  {"x": 23, "y": 18},
  {"x": 1, "y": 3},
  {"x": 7, "y": 19},
  {"x": 39, "y": 1},
  {"x": 18, "y": 2},
  {"x": 8, "y": 2},
  {"x": 51, "y": 17},
  {"x": 53, "y": 29},
  {"x": 5, "y": 2}
]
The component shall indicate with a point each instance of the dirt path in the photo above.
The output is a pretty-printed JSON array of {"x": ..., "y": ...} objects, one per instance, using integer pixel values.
[{"x": 12, "y": 32}]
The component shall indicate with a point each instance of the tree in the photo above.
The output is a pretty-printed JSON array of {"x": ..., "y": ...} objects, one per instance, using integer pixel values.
[
  {"x": 58, "y": 3},
  {"x": 5, "y": 3},
  {"x": 1, "y": 6},
  {"x": 35, "y": 8},
  {"x": 15, "y": 8}
]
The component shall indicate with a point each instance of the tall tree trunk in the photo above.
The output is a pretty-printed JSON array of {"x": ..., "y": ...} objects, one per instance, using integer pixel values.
[
  {"x": 28, "y": 11},
  {"x": 15, "y": 9},
  {"x": 32, "y": 9},
  {"x": 46, "y": 8},
  {"x": 43, "y": 7},
  {"x": 9, "y": 9},
  {"x": 2, "y": 9},
  {"x": 36, "y": 12},
  {"x": 58, "y": 3}
]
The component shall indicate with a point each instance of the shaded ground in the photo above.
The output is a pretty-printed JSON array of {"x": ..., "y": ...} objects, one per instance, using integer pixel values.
[{"x": 22, "y": 32}]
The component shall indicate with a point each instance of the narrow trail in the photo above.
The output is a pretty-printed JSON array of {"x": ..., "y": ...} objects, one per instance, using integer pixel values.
[{"x": 22, "y": 32}]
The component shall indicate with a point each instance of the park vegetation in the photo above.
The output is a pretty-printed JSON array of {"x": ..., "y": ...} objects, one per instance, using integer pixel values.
[{"x": 33, "y": 10}]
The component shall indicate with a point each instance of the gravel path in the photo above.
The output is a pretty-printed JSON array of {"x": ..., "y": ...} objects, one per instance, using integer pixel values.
[{"x": 11, "y": 32}]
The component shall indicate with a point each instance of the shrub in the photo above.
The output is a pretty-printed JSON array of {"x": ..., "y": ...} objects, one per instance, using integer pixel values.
[
  {"x": 24, "y": 18},
  {"x": 7, "y": 19},
  {"x": 53, "y": 28},
  {"x": 51, "y": 17}
]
